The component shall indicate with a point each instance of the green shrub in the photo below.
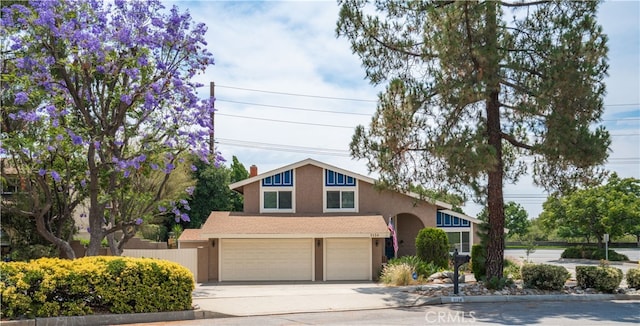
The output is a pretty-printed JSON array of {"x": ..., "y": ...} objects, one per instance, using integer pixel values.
[
  {"x": 613, "y": 255},
  {"x": 498, "y": 283},
  {"x": 478, "y": 261},
  {"x": 602, "y": 278},
  {"x": 421, "y": 267},
  {"x": 633, "y": 278},
  {"x": 512, "y": 270},
  {"x": 432, "y": 245},
  {"x": 580, "y": 252},
  {"x": 50, "y": 287},
  {"x": 544, "y": 276},
  {"x": 154, "y": 232},
  {"x": 397, "y": 274}
]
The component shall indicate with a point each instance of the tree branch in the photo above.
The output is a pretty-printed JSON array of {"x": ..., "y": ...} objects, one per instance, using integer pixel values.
[
  {"x": 523, "y": 3},
  {"x": 514, "y": 141}
]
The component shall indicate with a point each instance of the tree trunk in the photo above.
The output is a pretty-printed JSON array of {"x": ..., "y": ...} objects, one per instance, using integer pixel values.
[
  {"x": 96, "y": 211},
  {"x": 495, "y": 245},
  {"x": 64, "y": 247}
]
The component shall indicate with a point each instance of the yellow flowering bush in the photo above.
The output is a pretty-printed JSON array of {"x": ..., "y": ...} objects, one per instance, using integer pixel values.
[{"x": 49, "y": 287}]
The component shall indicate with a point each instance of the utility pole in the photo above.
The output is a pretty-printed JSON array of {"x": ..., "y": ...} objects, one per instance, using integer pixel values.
[{"x": 212, "y": 146}]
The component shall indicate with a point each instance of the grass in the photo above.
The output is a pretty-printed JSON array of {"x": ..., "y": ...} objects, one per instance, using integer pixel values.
[{"x": 537, "y": 247}]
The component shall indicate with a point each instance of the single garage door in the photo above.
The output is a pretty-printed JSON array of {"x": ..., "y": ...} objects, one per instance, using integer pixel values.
[
  {"x": 266, "y": 260},
  {"x": 348, "y": 259}
]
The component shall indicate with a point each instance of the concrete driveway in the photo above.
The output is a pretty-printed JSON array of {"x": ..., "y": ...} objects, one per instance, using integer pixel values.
[{"x": 275, "y": 298}]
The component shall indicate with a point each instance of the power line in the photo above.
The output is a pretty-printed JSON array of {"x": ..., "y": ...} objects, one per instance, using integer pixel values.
[
  {"x": 285, "y": 121},
  {"x": 297, "y": 94},
  {"x": 293, "y": 108}
]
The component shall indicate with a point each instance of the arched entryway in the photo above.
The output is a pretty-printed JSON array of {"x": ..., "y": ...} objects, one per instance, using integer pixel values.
[{"x": 407, "y": 227}]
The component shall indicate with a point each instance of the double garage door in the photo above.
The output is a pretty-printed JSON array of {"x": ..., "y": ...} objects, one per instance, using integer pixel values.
[{"x": 293, "y": 259}]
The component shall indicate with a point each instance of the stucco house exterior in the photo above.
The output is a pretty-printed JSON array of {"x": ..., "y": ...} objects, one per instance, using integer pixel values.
[{"x": 311, "y": 221}]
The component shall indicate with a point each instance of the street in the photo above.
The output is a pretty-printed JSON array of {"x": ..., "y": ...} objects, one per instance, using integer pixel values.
[{"x": 512, "y": 313}]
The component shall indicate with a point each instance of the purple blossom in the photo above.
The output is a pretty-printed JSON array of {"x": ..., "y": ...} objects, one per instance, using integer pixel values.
[
  {"x": 138, "y": 221},
  {"x": 59, "y": 137},
  {"x": 55, "y": 176},
  {"x": 127, "y": 173},
  {"x": 168, "y": 168},
  {"x": 75, "y": 139},
  {"x": 96, "y": 144},
  {"x": 194, "y": 168},
  {"x": 127, "y": 99},
  {"x": 190, "y": 190},
  {"x": 83, "y": 183},
  {"x": 51, "y": 148},
  {"x": 184, "y": 202},
  {"x": 42, "y": 172},
  {"x": 21, "y": 98},
  {"x": 162, "y": 208},
  {"x": 153, "y": 166}
]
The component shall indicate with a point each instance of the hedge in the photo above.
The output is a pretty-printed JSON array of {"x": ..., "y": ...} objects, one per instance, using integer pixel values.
[
  {"x": 581, "y": 252},
  {"x": 602, "y": 278},
  {"x": 544, "y": 276},
  {"x": 49, "y": 287},
  {"x": 478, "y": 261},
  {"x": 633, "y": 278}
]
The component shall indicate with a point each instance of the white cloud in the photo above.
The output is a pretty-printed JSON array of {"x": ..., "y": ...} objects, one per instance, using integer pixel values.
[{"x": 291, "y": 47}]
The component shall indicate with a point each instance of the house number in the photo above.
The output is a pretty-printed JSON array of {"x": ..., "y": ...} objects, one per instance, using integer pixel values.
[{"x": 375, "y": 235}]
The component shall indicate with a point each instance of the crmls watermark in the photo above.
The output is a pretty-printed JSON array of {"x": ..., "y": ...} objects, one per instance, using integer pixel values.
[{"x": 448, "y": 317}]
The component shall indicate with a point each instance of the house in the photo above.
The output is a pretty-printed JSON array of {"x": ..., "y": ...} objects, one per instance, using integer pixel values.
[{"x": 310, "y": 221}]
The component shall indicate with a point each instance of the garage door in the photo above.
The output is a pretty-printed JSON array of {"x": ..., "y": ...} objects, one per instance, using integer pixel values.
[
  {"x": 348, "y": 259},
  {"x": 266, "y": 260}
]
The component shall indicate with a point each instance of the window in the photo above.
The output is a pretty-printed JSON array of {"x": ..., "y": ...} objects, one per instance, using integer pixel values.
[
  {"x": 341, "y": 199},
  {"x": 341, "y": 192},
  {"x": 277, "y": 200},
  {"x": 344, "y": 200},
  {"x": 459, "y": 240}
]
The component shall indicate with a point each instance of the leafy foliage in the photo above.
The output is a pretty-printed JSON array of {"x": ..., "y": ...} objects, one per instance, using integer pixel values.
[
  {"x": 421, "y": 267},
  {"x": 212, "y": 193},
  {"x": 478, "y": 261},
  {"x": 581, "y": 252},
  {"x": 544, "y": 276},
  {"x": 633, "y": 278},
  {"x": 515, "y": 217},
  {"x": 472, "y": 87},
  {"x": 498, "y": 283},
  {"x": 50, "y": 287},
  {"x": 612, "y": 208},
  {"x": 97, "y": 94},
  {"x": 602, "y": 278},
  {"x": 432, "y": 246}
]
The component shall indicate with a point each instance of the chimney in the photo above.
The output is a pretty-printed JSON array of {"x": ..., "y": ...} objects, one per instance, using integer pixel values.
[{"x": 253, "y": 171}]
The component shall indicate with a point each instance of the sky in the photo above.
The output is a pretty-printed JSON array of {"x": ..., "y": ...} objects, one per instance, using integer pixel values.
[{"x": 288, "y": 89}]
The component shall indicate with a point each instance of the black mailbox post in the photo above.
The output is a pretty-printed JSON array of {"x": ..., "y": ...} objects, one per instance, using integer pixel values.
[{"x": 458, "y": 260}]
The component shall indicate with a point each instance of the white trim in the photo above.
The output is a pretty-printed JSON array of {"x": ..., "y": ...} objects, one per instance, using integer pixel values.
[
  {"x": 324, "y": 259},
  {"x": 278, "y": 190}
]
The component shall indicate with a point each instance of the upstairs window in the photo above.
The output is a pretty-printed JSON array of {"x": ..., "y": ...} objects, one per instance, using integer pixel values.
[
  {"x": 340, "y": 192},
  {"x": 277, "y": 193},
  {"x": 277, "y": 200},
  {"x": 341, "y": 199}
]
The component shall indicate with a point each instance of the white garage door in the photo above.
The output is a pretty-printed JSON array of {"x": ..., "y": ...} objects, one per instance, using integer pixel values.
[
  {"x": 348, "y": 259},
  {"x": 266, "y": 260}
]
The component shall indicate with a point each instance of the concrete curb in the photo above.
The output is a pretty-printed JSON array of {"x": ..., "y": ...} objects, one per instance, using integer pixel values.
[
  {"x": 119, "y": 319},
  {"x": 530, "y": 298},
  {"x": 116, "y": 319}
]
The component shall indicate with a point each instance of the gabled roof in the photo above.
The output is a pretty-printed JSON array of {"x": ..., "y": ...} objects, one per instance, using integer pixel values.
[
  {"x": 240, "y": 225},
  {"x": 190, "y": 235},
  {"x": 237, "y": 186}
]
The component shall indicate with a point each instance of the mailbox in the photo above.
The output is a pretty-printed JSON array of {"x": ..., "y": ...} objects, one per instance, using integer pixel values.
[{"x": 458, "y": 260}]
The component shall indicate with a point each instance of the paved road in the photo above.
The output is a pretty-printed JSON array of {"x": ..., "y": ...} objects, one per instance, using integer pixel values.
[{"x": 513, "y": 313}]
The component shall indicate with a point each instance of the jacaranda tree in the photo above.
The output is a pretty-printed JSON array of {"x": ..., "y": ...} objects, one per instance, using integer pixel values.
[
  {"x": 97, "y": 93},
  {"x": 473, "y": 86}
]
